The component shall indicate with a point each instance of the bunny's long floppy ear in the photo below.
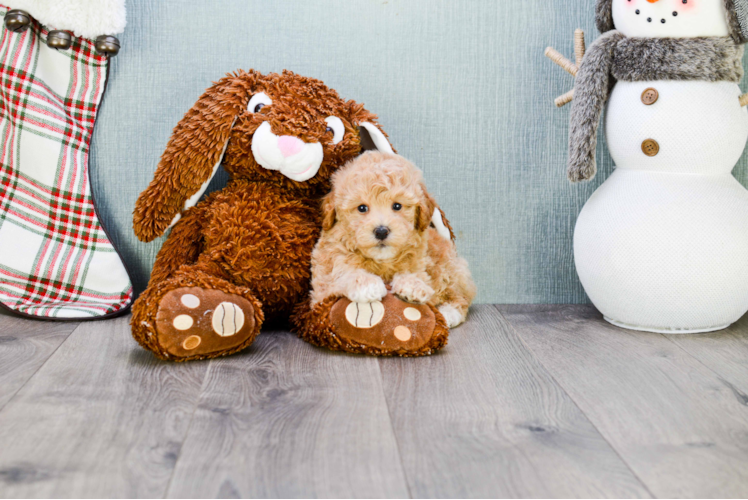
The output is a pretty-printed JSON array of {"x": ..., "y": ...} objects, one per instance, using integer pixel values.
[
  {"x": 193, "y": 154},
  {"x": 372, "y": 138},
  {"x": 429, "y": 214}
]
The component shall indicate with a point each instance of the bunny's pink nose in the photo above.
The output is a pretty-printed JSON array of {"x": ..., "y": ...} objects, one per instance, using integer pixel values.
[{"x": 289, "y": 145}]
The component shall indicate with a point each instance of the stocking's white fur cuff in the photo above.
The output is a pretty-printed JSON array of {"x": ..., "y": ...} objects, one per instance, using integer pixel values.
[{"x": 85, "y": 18}]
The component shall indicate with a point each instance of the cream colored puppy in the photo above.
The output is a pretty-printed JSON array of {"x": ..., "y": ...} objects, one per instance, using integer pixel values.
[{"x": 378, "y": 231}]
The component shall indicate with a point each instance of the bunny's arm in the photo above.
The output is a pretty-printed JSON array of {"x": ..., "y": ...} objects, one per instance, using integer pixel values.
[{"x": 183, "y": 245}]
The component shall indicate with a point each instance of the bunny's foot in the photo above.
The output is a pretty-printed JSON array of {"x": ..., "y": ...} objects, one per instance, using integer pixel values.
[
  {"x": 194, "y": 322},
  {"x": 182, "y": 323},
  {"x": 390, "y": 327}
]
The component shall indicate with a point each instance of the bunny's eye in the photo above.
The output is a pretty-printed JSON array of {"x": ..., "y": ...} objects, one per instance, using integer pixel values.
[
  {"x": 335, "y": 125},
  {"x": 258, "y": 101}
]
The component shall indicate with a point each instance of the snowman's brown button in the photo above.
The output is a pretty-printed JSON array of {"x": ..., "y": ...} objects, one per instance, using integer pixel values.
[
  {"x": 650, "y": 147},
  {"x": 650, "y": 96}
]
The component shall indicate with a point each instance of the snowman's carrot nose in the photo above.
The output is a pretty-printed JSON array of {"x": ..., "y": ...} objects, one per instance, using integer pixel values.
[{"x": 653, "y": 1}]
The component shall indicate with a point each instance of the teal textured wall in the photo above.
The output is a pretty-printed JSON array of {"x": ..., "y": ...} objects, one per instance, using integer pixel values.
[{"x": 461, "y": 86}]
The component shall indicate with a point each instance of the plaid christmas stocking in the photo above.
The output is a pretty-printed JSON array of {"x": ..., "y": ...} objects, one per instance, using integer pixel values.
[{"x": 56, "y": 260}]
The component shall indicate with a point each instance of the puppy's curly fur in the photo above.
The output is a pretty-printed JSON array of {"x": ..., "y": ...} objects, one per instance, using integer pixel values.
[{"x": 385, "y": 194}]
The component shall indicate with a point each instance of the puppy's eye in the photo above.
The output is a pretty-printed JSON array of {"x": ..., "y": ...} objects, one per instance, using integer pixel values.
[
  {"x": 335, "y": 125},
  {"x": 257, "y": 102},
  {"x": 363, "y": 209},
  {"x": 396, "y": 207}
]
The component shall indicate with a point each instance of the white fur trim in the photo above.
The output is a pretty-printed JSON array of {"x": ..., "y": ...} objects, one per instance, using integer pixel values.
[
  {"x": 380, "y": 141},
  {"x": 85, "y": 18},
  {"x": 441, "y": 228}
]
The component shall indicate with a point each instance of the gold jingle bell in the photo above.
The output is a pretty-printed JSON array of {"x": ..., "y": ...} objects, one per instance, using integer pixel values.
[
  {"x": 17, "y": 20},
  {"x": 107, "y": 45},
  {"x": 59, "y": 40}
]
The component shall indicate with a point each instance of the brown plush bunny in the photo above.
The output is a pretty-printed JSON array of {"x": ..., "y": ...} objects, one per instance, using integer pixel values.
[{"x": 242, "y": 254}]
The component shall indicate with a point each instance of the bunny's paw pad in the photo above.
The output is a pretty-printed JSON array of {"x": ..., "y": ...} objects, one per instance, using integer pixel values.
[
  {"x": 196, "y": 322},
  {"x": 390, "y": 327}
]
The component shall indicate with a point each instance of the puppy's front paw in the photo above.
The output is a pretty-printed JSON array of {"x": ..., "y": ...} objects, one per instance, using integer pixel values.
[
  {"x": 412, "y": 288},
  {"x": 452, "y": 315},
  {"x": 367, "y": 288}
]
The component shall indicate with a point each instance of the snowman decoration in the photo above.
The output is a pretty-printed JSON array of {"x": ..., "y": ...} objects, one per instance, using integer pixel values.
[{"x": 662, "y": 245}]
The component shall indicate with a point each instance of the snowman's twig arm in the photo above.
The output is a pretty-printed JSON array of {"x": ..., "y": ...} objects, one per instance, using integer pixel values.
[
  {"x": 559, "y": 59},
  {"x": 565, "y": 99},
  {"x": 744, "y": 100},
  {"x": 567, "y": 65},
  {"x": 579, "y": 46}
]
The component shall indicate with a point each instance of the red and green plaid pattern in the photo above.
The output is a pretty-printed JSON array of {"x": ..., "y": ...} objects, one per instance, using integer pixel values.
[{"x": 56, "y": 261}]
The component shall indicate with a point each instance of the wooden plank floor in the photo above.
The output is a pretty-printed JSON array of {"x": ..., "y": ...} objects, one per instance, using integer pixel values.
[{"x": 526, "y": 401}]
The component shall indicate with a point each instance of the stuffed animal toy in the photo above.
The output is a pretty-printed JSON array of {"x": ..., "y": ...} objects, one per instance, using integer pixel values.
[
  {"x": 662, "y": 245},
  {"x": 243, "y": 254},
  {"x": 378, "y": 245},
  {"x": 57, "y": 261}
]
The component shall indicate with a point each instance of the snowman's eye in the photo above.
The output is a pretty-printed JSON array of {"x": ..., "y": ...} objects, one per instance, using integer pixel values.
[
  {"x": 335, "y": 125},
  {"x": 257, "y": 102}
]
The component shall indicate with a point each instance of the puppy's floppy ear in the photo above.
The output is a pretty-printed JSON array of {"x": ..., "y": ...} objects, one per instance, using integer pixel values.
[
  {"x": 373, "y": 138},
  {"x": 328, "y": 212},
  {"x": 425, "y": 211},
  {"x": 192, "y": 156}
]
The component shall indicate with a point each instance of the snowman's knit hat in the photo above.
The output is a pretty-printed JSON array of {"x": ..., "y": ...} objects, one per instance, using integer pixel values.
[{"x": 737, "y": 13}]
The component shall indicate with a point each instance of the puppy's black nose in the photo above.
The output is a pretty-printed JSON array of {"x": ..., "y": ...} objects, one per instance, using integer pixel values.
[{"x": 382, "y": 232}]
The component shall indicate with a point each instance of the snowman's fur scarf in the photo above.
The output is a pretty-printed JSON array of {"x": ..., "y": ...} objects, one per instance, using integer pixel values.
[
  {"x": 614, "y": 57},
  {"x": 649, "y": 59},
  {"x": 85, "y": 18},
  {"x": 737, "y": 18},
  {"x": 591, "y": 89}
]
